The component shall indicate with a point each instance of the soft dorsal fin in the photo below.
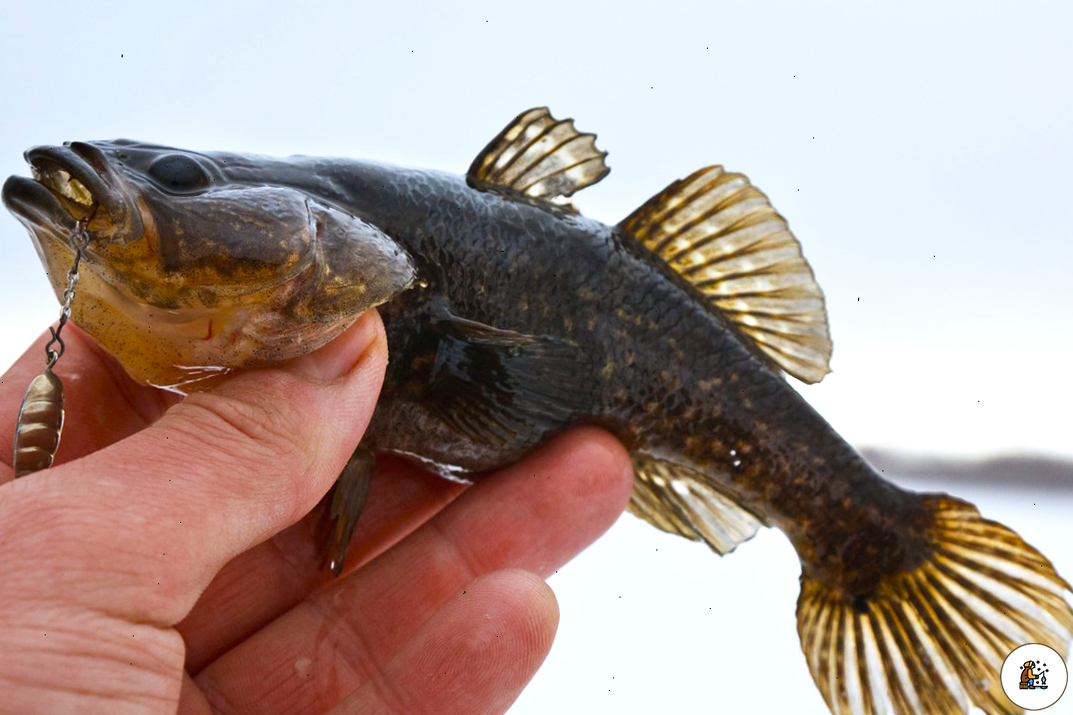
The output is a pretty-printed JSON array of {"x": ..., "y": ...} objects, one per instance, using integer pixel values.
[
  {"x": 681, "y": 501},
  {"x": 721, "y": 234},
  {"x": 538, "y": 157}
]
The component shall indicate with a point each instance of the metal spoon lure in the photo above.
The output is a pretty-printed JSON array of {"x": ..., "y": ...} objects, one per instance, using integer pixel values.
[{"x": 40, "y": 420}]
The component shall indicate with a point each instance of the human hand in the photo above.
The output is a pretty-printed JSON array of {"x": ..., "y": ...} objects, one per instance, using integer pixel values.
[{"x": 163, "y": 564}]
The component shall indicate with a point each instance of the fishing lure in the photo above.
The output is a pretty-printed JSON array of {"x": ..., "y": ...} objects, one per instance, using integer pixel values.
[{"x": 39, "y": 425}]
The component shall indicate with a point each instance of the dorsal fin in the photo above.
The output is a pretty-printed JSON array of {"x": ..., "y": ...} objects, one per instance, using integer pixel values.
[
  {"x": 721, "y": 234},
  {"x": 538, "y": 157},
  {"x": 681, "y": 501}
]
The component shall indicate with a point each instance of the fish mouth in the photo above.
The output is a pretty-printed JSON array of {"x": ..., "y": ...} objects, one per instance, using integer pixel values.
[{"x": 71, "y": 183}]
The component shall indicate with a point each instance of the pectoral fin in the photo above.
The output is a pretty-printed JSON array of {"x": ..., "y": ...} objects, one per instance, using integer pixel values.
[
  {"x": 538, "y": 157},
  {"x": 497, "y": 386}
]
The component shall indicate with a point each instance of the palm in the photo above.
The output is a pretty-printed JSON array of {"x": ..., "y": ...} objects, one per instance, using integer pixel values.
[{"x": 155, "y": 573}]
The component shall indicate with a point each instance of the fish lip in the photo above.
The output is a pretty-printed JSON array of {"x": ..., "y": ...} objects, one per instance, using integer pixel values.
[
  {"x": 34, "y": 202},
  {"x": 89, "y": 166}
]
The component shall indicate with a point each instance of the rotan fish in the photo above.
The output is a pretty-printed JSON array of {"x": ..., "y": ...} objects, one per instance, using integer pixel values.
[{"x": 511, "y": 317}]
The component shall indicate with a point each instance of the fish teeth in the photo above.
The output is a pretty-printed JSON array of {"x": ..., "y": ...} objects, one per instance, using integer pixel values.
[
  {"x": 66, "y": 185},
  {"x": 78, "y": 192}
]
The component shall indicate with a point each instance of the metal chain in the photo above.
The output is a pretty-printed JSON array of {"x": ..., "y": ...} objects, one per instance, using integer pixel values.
[
  {"x": 80, "y": 239},
  {"x": 40, "y": 422}
]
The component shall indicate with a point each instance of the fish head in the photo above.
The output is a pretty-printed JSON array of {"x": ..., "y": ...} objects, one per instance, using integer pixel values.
[{"x": 191, "y": 270}]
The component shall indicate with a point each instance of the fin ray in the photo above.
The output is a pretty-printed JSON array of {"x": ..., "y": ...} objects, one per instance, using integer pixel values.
[
  {"x": 347, "y": 503},
  {"x": 931, "y": 639},
  {"x": 538, "y": 157},
  {"x": 681, "y": 501},
  {"x": 723, "y": 236}
]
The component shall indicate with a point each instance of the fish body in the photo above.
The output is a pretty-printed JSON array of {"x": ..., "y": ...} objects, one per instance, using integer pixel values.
[
  {"x": 632, "y": 330},
  {"x": 511, "y": 317}
]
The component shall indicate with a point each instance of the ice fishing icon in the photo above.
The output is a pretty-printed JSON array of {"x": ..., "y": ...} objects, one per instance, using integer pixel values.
[
  {"x": 1031, "y": 681},
  {"x": 1034, "y": 676}
]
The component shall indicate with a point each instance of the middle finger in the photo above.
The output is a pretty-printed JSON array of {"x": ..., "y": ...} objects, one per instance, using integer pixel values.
[
  {"x": 535, "y": 516},
  {"x": 266, "y": 581}
]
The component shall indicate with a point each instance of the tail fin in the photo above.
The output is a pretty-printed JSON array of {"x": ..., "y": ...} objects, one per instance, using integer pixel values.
[{"x": 931, "y": 640}]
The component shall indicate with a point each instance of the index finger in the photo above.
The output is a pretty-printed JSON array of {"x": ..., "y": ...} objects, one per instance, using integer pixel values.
[{"x": 140, "y": 528}]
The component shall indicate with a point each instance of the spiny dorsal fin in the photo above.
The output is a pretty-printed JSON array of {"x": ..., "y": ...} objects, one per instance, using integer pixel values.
[
  {"x": 539, "y": 157},
  {"x": 721, "y": 234},
  {"x": 678, "y": 500}
]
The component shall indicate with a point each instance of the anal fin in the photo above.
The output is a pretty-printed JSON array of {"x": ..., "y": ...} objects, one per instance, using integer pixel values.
[{"x": 682, "y": 501}]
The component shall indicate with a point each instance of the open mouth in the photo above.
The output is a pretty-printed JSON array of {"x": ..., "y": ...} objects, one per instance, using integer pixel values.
[
  {"x": 65, "y": 186},
  {"x": 71, "y": 183}
]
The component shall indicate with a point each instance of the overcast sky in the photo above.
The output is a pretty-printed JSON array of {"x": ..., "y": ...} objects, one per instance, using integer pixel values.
[{"x": 920, "y": 151}]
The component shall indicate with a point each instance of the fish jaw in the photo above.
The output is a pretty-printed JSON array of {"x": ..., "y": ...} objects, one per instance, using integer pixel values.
[
  {"x": 88, "y": 187},
  {"x": 187, "y": 349},
  {"x": 235, "y": 276}
]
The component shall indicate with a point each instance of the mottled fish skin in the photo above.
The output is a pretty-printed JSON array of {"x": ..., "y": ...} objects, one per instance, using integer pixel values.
[
  {"x": 661, "y": 369},
  {"x": 510, "y": 318}
]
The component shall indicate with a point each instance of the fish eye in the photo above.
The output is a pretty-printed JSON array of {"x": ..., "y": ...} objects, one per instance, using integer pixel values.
[{"x": 179, "y": 173}]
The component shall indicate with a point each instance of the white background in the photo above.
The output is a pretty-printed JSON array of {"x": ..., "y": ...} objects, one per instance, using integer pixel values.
[{"x": 921, "y": 152}]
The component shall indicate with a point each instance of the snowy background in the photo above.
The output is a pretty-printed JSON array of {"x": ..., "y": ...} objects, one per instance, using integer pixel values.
[{"x": 921, "y": 152}]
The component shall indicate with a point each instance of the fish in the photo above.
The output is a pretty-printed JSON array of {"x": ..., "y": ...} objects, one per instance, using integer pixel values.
[{"x": 511, "y": 317}]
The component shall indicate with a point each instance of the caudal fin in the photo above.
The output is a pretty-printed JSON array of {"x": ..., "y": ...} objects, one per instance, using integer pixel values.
[{"x": 931, "y": 640}]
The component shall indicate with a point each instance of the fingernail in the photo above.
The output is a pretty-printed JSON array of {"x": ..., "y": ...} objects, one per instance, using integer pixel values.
[{"x": 339, "y": 357}]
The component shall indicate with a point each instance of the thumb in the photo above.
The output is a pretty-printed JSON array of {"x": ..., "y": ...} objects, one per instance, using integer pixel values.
[{"x": 156, "y": 515}]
